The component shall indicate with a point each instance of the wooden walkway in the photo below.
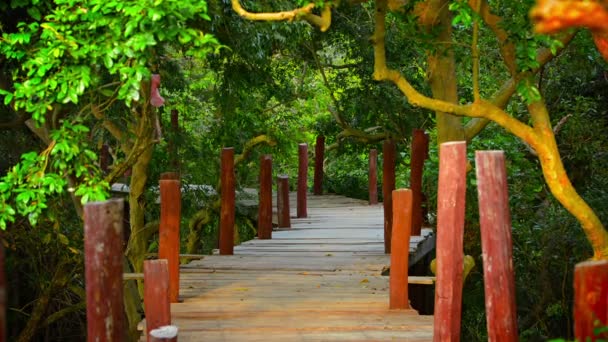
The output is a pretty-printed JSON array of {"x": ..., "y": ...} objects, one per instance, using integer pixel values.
[{"x": 318, "y": 281}]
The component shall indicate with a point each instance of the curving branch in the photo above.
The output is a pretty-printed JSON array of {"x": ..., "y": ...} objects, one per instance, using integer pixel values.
[
  {"x": 250, "y": 144},
  {"x": 303, "y": 13}
]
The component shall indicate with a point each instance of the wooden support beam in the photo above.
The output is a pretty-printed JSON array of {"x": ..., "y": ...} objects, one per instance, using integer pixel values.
[
  {"x": 283, "y": 201},
  {"x": 319, "y": 156},
  {"x": 420, "y": 151},
  {"x": 156, "y": 295},
  {"x": 450, "y": 233},
  {"x": 166, "y": 333},
  {"x": 389, "y": 151},
  {"x": 402, "y": 225},
  {"x": 590, "y": 300},
  {"x": 496, "y": 244},
  {"x": 373, "y": 176},
  {"x": 168, "y": 231},
  {"x": 227, "y": 193},
  {"x": 103, "y": 257},
  {"x": 265, "y": 198},
  {"x": 302, "y": 180}
]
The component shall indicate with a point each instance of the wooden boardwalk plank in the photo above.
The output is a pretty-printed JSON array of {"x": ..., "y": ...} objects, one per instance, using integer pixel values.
[{"x": 321, "y": 280}]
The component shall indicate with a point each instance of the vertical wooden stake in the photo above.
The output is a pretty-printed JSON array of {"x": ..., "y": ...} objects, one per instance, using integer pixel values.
[
  {"x": 402, "y": 225},
  {"x": 450, "y": 233},
  {"x": 103, "y": 270},
  {"x": 389, "y": 150},
  {"x": 590, "y": 299},
  {"x": 420, "y": 147},
  {"x": 496, "y": 244},
  {"x": 373, "y": 176},
  {"x": 104, "y": 158},
  {"x": 302, "y": 180},
  {"x": 168, "y": 232},
  {"x": 265, "y": 207},
  {"x": 227, "y": 214},
  {"x": 175, "y": 144},
  {"x": 156, "y": 294},
  {"x": 319, "y": 156},
  {"x": 283, "y": 201}
]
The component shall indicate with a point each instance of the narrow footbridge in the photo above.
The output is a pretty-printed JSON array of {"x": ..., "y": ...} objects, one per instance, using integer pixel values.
[{"x": 320, "y": 280}]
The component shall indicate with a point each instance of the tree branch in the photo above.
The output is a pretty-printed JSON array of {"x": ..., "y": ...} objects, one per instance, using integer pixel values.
[{"x": 303, "y": 13}]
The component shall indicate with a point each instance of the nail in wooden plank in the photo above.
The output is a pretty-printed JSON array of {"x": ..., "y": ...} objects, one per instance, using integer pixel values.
[
  {"x": 103, "y": 270},
  {"x": 265, "y": 196},
  {"x": 389, "y": 151},
  {"x": 420, "y": 146},
  {"x": 156, "y": 295},
  {"x": 319, "y": 156},
  {"x": 302, "y": 180},
  {"x": 590, "y": 300},
  {"x": 168, "y": 231},
  {"x": 450, "y": 233},
  {"x": 283, "y": 201},
  {"x": 373, "y": 177},
  {"x": 227, "y": 210},
  {"x": 496, "y": 243},
  {"x": 402, "y": 225}
]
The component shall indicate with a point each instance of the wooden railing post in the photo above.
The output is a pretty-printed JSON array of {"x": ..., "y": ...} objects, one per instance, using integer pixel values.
[
  {"x": 496, "y": 243},
  {"x": 227, "y": 214},
  {"x": 265, "y": 207},
  {"x": 402, "y": 225},
  {"x": 450, "y": 233},
  {"x": 103, "y": 255},
  {"x": 319, "y": 156},
  {"x": 168, "y": 234},
  {"x": 373, "y": 176},
  {"x": 389, "y": 150},
  {"x": 302, "y": 180},
  {"x": 420, "y": 148},
  {"x": 590, "y": 300},
  {"x": 156, "y": 294},
  {"x": 283, "y": 201}
]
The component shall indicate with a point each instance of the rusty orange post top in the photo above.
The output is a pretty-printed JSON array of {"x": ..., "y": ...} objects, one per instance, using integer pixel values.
[
  {"x": 319, "y": 157},
  {"x": 302, "y": 180},
  {"x": 373, "y": 176},
  {"x": 496, "y": 245},
  {"x": 283, "y": 201},
  {"x": 265, "y": 196},
  {"x": 103, "y": 265},
  {"x": 168, "y": 239},
  {"x": 590, "y": 300},
  {"x": 450, "y": 233},
  {"x": 389, "y": 151},
  {"x": 227, "y": 198},
  {"x": 156, "y": 294},
  {"x": 402, "y": 225}
]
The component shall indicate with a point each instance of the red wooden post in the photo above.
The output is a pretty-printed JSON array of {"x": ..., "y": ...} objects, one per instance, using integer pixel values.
[
  {"x": 167, "y": 333},
  {"x": 169, "y": 175},
  {"x": 450, "y": 232},
  {"x": 402, "y": 225},
  {"x": 420, "y": 147},
  {"x": 174, "y": 145},
  {"x": 302, "y": 180},
  {"x": 104, "y": 158},
  {"x": 265, "y": 207},
  {"x": 496, "y": 244},
  {"x": 373, "y": 176},
  {"x": 389, "y": 151},
  {"x": 156, "y": 294},
  {"x": 283, "y": 201},
  {"x": 168, "y": 232},
  {"x": 590, "y": 299},
  {"x": 227, "y": 202},
  {"x": 2, "y": 294},
  {"x": 103, "y": 270},
  {"x": 319, "y": 156}
]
